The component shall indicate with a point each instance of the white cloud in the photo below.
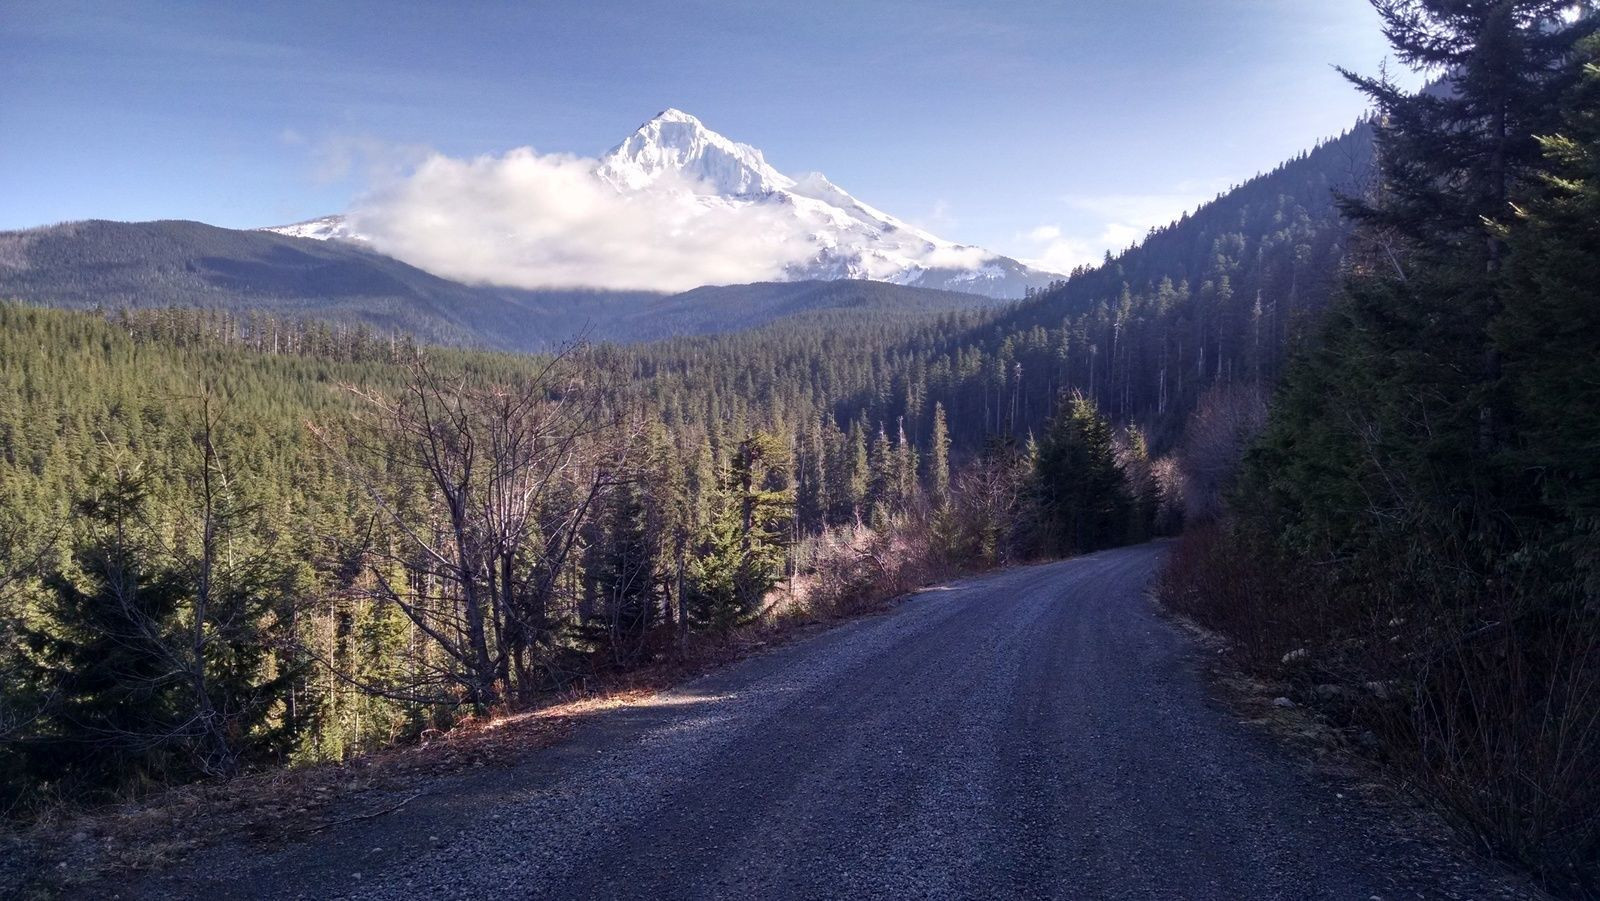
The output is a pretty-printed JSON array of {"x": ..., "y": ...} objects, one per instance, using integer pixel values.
[
  {"x": 1111, "y": 222},
  {"x": 1145, "y": 211},
  {"x": 1119, "y": 235},
  {"x": 540, "y": 221},
  {"x": 940, "y": 218},
  {"x": 954, "y": 257},
  {"x": 1048, "y": 250}
]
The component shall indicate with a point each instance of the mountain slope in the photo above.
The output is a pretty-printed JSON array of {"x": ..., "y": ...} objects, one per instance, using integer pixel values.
[
  {"x": 101, "y": 264},
  {"x": 1219, "y": 296},
  {"x": 675, "y": 161}
]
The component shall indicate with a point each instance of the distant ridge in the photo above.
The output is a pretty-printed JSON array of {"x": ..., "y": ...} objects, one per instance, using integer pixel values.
[{"x": 104, "y": 264}]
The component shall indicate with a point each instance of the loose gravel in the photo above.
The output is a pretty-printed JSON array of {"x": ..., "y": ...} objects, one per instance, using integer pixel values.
[{"x": 1036, "y": 733}]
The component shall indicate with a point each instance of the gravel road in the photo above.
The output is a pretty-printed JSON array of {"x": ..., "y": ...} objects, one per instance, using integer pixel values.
[{"x": 1036, "y": 733}]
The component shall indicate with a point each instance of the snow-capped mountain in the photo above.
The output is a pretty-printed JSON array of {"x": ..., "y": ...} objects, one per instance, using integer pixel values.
[{"x": 676, "y": 155}]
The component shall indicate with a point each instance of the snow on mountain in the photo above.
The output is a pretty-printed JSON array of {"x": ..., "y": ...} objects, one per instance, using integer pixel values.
[
  {"x": 323, "y": 228},
  {"x": 676, "y": 144},
  {"x": 675, "y": 157}
]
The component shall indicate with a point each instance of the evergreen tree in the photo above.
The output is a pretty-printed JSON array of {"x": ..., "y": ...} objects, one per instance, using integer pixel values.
[
  {"x": 622, "y": 568},
  {"x": 811, "y": 488},
  {"x": 1133, "y": 458},
  {"x": 742, "y": 548},
  {"x": 1549, "y": 332},
  {"x": 155, "y": 663},
  {"x": 1080, "y": 488},
  {"x": 1453, "y": 159},
  {"x": 115, "y": 703},
  {"x": 905, "y": 469},
  {"x": 859, "y": 462},
  {"x": 881, "y": 481},
  {"x": 939, "y": 459}
]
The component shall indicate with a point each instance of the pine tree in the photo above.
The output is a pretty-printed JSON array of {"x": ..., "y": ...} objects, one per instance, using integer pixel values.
[
  {"x": 1133, "y": 458},
  {"x": 1454, "y": 158},
  {"x": 859, "y": 481},
  {"x": 743, "y": 547},
  {"x": 905, "y": 470},
  {"x": 939, "y": 459},
  {"x": 1081, "y": 492},
  {"x": 1549, "y": 331},
  {"x": 881, "y": 481},
  {"x": 811, "y": 487},
  {"x": 117, "y": 705}
]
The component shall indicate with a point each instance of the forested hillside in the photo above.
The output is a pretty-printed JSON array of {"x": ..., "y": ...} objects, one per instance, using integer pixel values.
[
  {"x": 1221, "y": 295},
  {"x": 115, "y": 265},
  {"x": 230, "y": 543}
]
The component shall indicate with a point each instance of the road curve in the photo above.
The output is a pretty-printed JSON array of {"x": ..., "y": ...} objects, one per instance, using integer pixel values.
[{"x": 1035, "y": 733}]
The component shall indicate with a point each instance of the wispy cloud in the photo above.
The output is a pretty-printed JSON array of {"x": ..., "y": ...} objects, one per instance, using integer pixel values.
[
  {"x": 940, "y": 218},
  {"x": 1046, "y": 247},
  {"x": 1109, "y": 222},
  {"x": 367, "y": 159}
]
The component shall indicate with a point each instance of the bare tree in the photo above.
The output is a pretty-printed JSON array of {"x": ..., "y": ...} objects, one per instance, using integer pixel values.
[
  {"x": 988, "y": 494},
  {"x": 480, "y": 491},
  {"x": 1224, "y": 422}
]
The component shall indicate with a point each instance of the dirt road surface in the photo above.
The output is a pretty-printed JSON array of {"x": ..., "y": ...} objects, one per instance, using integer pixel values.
[{"x": 1040, "y": 732}]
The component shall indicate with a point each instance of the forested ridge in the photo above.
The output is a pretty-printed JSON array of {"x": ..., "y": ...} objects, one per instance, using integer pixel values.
[
  {"x": 231, "y": 542},
  {"x": 105, "y": 265},
  {"x": 1220, "y": 295}
]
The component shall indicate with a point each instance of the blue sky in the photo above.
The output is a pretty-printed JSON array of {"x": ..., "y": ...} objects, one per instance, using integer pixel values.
[{"x": 1032, "y": 128}]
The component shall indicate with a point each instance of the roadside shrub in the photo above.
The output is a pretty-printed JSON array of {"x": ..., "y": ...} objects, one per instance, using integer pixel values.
[
  {"x": 1483, "y": 692},
  {"x": 856, "y": 567},
  {"x": 1225, "y": 584}
]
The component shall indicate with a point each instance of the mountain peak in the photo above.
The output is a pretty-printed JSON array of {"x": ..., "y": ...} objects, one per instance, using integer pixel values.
[
  {"x": 673, "y": 114},
  {"x": 676, "y": 144}
]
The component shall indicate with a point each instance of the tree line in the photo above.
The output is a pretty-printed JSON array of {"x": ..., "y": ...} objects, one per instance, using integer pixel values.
[
  {"x": 1413, "y": 538},
  {"x": 240, "y": 543}
]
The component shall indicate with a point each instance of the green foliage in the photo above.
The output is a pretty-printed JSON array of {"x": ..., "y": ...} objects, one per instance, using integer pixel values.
[
  {"x": 1140, "y": 485},
  {"x": 741, "y": 553},
  {"x": 634, "y": 545},
  {"x": 939, "y": 459},
  {"x": 1549, "y": 331},
  {"x": 113, "y": 704},
  {"x": 148, "y": 664},
  {"x": 1083, "y": 500}
]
